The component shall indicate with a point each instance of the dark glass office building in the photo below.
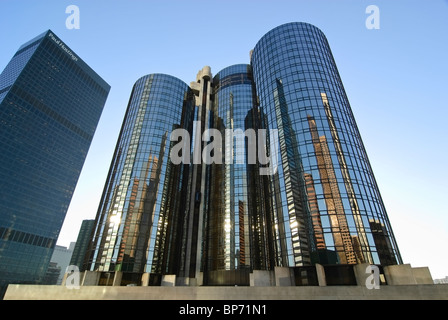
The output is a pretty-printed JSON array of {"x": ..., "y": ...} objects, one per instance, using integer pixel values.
[
  {"x": 82, "y": 244},
  {"x": 214, "y": 223},
  {"x": 50, "y": 104}
]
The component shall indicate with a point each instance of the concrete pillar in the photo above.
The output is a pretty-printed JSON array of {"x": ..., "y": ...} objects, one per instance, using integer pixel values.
[
  {"x": 168, "y": 280},
  {"x": 283, "y": 277},
  {"x": 321, "y": 279},
  {"x": 74, "y": 279},
  {"x": 73, "y": 274},
  {"x": 194, "y": 282},
  {"x": 422, "y": 275},
  {"x": 400, "y": 274},
  {"x": 64, "y": 279},
  {"x": 145, "y": 279},
  {"x": 200, "y": 279},
  {"x": 183, "y": 281},
  {"x": 360, "y": 273},
  {"x": 90, "y": 278},
  {"x": 262, "y": 278},
  {"x": 117, "y": 278}
]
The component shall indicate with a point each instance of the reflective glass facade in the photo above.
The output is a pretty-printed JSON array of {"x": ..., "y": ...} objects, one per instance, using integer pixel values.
[
  {"x": 228, "y": 238},
  {"x": 50, "y": 104},
  {"x": 82, "y": 244},
  {"x": 325, "y": 199},
  {"x": 220, "y": 220},
  {"x": 136, "y": 228}
]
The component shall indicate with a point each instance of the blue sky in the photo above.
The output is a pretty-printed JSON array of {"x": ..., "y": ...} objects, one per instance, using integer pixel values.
[{"x": 395, "y": 77}]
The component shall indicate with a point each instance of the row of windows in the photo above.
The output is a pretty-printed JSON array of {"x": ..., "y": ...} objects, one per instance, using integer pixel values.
[
  {"x": 233, "y": 79},
  {"x": 7, "y": 234},
  {"x": 306, "y": 34},
  {"x": 294, "y": 55},
  {"x": 32, "y": 101},
  {"x": 161, "y": 82},
  {"x": 16, "y": 65},
  {"x": 27, "y": 124},
  {"x": 52, "y": 52},
  {"x": 62, "y": 94}
]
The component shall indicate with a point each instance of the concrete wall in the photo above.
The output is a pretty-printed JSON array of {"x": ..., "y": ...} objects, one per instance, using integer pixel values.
[
  {"x": 91, "y": 278},
  {"x": 401, "y": 292},
  {"x": 404, "y": 274},
  {"x": 262, "y": 278},
  {"x": 403, "y": 282},
  {"x": 422, "y": 275},
  {"x": 169, "y": 280},
  {"x": 283, "y": 276}
]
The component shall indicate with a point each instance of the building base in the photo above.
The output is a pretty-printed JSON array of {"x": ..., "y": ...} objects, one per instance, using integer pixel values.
[
  {"x": 360, "y": 281},
  {"x": 403, "y": 292}
]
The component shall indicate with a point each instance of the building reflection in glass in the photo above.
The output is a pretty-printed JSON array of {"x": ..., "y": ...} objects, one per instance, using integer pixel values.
[
  {"x": 225, "y": 219},
  {"x": 324, "y": 182},
  {"x": 131, "y": 224},
  {"x": 228, "y": 239}
]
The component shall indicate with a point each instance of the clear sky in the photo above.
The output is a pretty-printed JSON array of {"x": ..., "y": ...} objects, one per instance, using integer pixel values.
[{"x": 395, "y": 77}]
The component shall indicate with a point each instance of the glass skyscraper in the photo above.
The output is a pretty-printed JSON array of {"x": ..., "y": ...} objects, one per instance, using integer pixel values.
[
  {"x": 136, "y": 228},
  {"x": 82, "y": 243},
  {"x": 216, "y": 222},
  {"x": 50, "y": 104},
  {"x": 325, "y": 199},
  {"x": 228, "y": 245}
]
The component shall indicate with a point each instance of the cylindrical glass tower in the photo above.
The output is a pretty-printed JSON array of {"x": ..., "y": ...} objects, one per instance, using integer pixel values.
[
  {"x": 217, "y": 216},
  {"x": 228, "y": 238},
  {"x": 144, "y": 189},
  {"x": 326, "y": 205}
]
